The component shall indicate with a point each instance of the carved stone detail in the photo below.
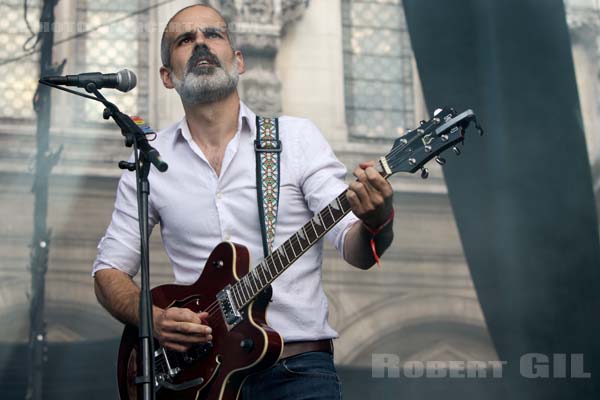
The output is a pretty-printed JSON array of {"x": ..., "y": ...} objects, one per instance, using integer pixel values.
[
  {"x": 584, "y": 24},
  {"x": 261, "y": 89},
  {"x": 258, "y": 26}
]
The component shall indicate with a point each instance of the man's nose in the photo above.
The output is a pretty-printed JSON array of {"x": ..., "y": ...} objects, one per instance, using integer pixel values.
[{"x": 200, "y": 38}]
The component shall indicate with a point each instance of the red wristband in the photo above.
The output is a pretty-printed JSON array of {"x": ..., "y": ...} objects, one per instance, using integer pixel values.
[{"x": 374, "y": 232}]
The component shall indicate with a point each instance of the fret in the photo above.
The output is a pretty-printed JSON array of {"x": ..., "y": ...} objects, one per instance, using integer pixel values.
[
  {"x": 281, "y": 253},
  {"x": 280, "y": 259},
  {"x": 333, "y": 219},
  {"x": 320, "y": 215},
  {"x": 245, "y": 288},
  {"x": 301, "y": 234},
  {"x": 279, "y": 265},
  {"x": 279, "y": 268},
  {"x": 304, "y": 237},
  {"x": 310, "y": 238},
  {"x": 236, "y": 295},
  {"x": 339, "y": 201},
  {"x": 328, "y": 217},
  {"x": 264, "y": 273},
  {"x": 317, "y": 219},
  {"x": 345, "y": 205},
  {"x": 257, "y": 279},
  {"x": 291, "y": 240},
  {"x": 249, "y": 285},
  {"x": 265, "y": 267},
  {"x": 240, "y": 292},
  {"x": 289, "y": 260},
  {"x": 335, "y": 205},
  {"x": 272, "y": 266}
]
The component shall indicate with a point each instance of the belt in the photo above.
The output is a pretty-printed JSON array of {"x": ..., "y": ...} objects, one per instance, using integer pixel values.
[{"x": 295, "y": 348}]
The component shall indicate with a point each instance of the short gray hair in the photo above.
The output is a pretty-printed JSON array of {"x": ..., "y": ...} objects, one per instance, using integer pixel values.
[{"x": 165, "y": 42}]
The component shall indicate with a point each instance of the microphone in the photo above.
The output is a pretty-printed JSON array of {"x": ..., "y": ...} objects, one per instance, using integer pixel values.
[{"x": 124, "y": 80}]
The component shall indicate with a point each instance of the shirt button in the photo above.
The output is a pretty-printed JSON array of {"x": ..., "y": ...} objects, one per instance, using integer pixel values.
[
  {"x": 227, "y": 236},
  {"x": 219, "y": 195}
]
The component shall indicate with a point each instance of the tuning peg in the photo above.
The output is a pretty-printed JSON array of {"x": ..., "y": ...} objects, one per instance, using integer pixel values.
[
  {"x": 424, "y": 173},
  {"x": 427, "y": 148},
  {"x": 440, "y": 160},
  {"x": 456, "y": 150}
]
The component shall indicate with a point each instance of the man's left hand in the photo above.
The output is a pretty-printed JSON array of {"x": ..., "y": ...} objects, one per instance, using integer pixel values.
[{"x": 370, "y": 196}]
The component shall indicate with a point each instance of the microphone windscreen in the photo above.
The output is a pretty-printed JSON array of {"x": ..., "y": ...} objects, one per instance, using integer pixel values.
[{"x": 126, "y": 80}]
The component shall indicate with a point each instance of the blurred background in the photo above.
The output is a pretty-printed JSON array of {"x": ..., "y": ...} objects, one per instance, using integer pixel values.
[{"x": 496, "y": 255}]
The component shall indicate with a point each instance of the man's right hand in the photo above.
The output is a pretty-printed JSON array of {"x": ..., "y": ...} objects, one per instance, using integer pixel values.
[{"x": 180, "y": 328}]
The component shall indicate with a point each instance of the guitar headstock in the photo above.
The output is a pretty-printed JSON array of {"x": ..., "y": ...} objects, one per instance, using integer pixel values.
[{"x": 417, "y": 147}]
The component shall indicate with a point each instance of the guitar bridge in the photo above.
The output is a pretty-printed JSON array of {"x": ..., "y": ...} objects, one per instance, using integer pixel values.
[{"x": 231, "y": 314}]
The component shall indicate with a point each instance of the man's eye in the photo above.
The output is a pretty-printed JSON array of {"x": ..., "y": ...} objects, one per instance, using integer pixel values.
[
  {"x": 185, "y": 40},
  {"x": 212, "y": 34}
]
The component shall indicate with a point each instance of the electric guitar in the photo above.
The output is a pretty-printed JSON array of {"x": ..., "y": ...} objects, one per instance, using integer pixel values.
[{"x": 236, "y": 297}]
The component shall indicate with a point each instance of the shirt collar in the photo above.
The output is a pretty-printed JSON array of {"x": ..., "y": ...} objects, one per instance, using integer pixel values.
[{"x": 246, "y": 123}]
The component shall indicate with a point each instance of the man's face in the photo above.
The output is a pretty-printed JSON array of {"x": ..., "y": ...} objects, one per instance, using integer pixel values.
[{"x": 204, "y": 67}]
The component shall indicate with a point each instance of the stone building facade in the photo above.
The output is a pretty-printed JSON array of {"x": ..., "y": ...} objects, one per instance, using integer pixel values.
[{"x": 421, "y": 305}]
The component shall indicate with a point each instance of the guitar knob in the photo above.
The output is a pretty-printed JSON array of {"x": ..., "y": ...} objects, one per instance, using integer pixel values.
[
  {"x": 424, "y": 173},
  {"x": 247, "y": 344},
  {"x": 440, "y": 160},
  {"x": 456, "y": 150}
]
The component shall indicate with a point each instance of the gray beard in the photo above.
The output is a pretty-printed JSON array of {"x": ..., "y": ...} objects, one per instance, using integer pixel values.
[{"x": 197, "y": 88}]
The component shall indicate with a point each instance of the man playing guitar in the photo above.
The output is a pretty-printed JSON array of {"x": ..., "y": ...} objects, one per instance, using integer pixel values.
[{"x": 209, "y": 195}]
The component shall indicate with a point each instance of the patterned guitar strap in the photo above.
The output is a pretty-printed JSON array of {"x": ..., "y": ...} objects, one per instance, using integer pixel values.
[{"x": 268, "y": 149}]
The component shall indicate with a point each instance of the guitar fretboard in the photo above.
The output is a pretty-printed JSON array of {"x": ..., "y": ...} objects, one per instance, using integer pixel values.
[{"x": 248, "y": 287}]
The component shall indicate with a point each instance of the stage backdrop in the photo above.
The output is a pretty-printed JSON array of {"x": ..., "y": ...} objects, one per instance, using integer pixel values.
[{"x": 522, "y": 196}]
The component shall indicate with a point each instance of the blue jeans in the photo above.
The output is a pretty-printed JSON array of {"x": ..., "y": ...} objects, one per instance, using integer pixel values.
[{"x": 306, "y": 376}]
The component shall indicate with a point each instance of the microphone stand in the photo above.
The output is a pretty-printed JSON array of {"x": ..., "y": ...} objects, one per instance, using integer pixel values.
[{"x": 144, "y": 156}]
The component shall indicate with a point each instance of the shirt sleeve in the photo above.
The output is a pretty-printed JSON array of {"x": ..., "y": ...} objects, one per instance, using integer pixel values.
[
  {"x": 322, "y": 180},
  {"x": 120, "y": 246}
]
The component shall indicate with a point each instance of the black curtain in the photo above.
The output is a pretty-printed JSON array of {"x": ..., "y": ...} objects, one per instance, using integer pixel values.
[{"x": 522, "y": 195}]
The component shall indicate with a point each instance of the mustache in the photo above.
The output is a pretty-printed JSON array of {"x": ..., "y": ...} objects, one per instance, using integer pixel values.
[{"x": 199, "y": 53}]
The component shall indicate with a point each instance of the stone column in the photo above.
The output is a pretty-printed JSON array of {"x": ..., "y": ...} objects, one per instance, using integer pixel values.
[{"x": 258, "y": 26}]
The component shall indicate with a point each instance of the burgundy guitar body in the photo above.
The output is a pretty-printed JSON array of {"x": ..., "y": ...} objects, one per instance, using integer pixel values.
[{"x": 207, "y": 372}]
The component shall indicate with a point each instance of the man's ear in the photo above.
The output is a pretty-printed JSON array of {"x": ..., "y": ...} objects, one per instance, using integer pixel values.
[
  {"x": 241, "y": 65},
  {"x": 165, "y": 76}
]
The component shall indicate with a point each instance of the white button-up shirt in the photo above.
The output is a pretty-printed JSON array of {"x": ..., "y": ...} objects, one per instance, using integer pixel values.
[{"x": 197, "y": 209}]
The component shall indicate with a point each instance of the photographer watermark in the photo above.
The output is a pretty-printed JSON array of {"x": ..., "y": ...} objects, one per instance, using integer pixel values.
[{"x": 531, "y": 365}]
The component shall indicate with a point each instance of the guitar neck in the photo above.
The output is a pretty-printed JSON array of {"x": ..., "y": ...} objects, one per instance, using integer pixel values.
[{"x": 248, "y": 287}]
